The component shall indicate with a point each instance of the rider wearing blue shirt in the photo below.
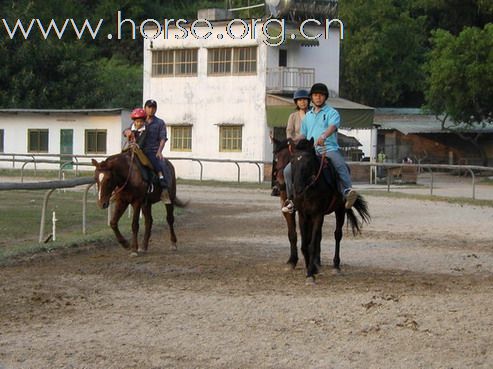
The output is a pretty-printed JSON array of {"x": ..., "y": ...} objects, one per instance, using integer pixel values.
[{"x": 321, "y": 124}]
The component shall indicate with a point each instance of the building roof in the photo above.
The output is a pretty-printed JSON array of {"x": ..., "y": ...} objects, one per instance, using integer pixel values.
[
  {"x": 353, "y": 115},
  {"x": 347, "y": 141},
  {"x": 412, "y": 121},
  {"x": 64, "y": 111}
]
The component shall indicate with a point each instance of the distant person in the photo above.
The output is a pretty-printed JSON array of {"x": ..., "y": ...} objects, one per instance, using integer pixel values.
[{"x": 381, "y": 157}]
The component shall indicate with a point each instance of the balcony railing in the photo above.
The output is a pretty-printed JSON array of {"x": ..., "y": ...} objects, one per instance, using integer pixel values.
[{"x": 289, "y": 79}]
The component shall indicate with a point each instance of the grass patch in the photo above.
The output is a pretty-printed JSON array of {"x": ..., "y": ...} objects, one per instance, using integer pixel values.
[
  {"x": 21, "y": 214},
  {"x": 450, "y": 200}
]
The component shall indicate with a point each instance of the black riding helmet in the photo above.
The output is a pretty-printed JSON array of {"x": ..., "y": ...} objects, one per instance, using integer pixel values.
[{"x": 319, "y": 88}]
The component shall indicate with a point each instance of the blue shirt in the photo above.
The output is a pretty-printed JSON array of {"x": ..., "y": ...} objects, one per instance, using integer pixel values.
[
  {"x": 314, "y": 124},
  {"x": 156, "y": 131}
]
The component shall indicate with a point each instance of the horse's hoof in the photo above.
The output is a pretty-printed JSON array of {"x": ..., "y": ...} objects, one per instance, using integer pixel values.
[
  {"x": 173, "y": 246},
  {"x": 142, "y": 251},
  {"x": 290, "y": 267},
  {"x": 336, "y": 271},
  {"x": 134, "y": 254},
  {"x": 310, "y": 281}
]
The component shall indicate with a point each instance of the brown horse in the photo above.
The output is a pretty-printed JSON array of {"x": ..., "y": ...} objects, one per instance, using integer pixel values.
[
  {"x": 119, "y": 176},
  {"x": 282, "y": 156}
]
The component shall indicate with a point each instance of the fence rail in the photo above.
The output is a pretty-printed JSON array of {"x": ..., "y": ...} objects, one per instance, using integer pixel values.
[{"x": 50, "y": 186}]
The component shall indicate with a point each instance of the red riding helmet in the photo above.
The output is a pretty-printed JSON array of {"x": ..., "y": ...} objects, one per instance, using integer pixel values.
[{"x": 138, "y": 113}]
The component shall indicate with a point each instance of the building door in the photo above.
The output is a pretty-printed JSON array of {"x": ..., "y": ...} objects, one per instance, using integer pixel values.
[{"x": 66, "y": 146}]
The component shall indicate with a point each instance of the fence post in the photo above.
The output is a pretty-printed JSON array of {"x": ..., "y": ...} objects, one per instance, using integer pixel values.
[
  {"x": 84, "y": 208},
  {"x": 43, "y": 214}
]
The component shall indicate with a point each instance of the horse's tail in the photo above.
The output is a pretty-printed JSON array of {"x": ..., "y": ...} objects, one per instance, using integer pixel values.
[
  {"x": 361, "y": 207},
  {"x": 179, "y": 203}
]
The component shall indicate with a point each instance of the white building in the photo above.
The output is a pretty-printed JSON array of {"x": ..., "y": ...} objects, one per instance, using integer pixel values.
[
  {"x": 59, "y": 134},
  {"x": 218, "y": 95}
]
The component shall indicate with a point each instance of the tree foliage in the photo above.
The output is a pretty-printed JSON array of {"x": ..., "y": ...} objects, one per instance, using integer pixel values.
[
  {"x": 381, "y": 53},
  {"x": 460, "y": 68}
]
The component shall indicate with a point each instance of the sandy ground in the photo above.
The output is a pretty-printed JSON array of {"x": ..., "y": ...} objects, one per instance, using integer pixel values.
[{"x": 415, "y": 291}]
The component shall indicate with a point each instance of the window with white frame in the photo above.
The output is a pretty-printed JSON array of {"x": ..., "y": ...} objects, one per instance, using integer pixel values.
[
  {"x": 95, "y": 141},
  {"x": 181, "y": 137},
  {"x": 174, "y": 62},
  {"x": 37, "y": 140},
  {"x": 230, "y": 138},
  {"x": 232, "y": 61}
]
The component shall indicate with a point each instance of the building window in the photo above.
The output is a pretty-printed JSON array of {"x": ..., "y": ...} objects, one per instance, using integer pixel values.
[
  {"x": 230, "y": 138},
  {"x": 245, "y": 60},
  {"x": 181, "y": 138},
  {"x": 1, "y": 140},
  {"x": 228, "y": 61},
  {"x": 95, "y": 141},
  {"x": 37, "y": 140},
  {"x": 283, "y": 57},
  {"x": 169, "y": 63}
]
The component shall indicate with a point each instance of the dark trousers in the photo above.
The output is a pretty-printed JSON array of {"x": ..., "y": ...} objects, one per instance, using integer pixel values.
[{"x": 159, "y": 165}]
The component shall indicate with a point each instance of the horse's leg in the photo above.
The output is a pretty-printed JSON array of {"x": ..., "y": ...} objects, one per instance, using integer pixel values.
[
  {"x": 313, "y": 246},
  {"x": 305, "y": 231},
  {"x": 170, "y": 218},
  {"x": 293, "y": 238},
  {"x": 318, "y": 244},
  {"x": 147, "y": 211},
  {"x": 340, "y": 218},
  {"x": 120, "y": 208},
  {"x": 134, "y": 245}
]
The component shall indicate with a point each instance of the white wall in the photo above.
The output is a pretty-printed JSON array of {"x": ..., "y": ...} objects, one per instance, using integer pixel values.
[
  {"x": 207, "y": 101},
  {"x": 16, "y": 127}
]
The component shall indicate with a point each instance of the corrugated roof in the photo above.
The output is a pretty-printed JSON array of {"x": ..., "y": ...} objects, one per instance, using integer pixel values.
[{"x": 408, "y": 124}]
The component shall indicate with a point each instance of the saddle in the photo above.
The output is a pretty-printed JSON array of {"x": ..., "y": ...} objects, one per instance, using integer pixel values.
[
  {"x": 145, "y": 167},
  {"x": 330, "y": 175}
]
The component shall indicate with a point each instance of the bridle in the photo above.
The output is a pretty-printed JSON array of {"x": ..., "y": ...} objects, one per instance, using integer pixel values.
[{"x": 316, "y": 178}]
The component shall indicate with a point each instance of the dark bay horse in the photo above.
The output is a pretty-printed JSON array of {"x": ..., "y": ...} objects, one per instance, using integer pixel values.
[
  {"x": 282, "y": 156},
  {"x": 315, "y": 197},
  {"x": 119, "y": 176}
]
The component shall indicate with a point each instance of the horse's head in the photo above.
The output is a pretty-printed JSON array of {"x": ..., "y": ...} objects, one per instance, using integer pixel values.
[
  {"x": 105, "y": 181},
  {"x": 304, "y": 166}
]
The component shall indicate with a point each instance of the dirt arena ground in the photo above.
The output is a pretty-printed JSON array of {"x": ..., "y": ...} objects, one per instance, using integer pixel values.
[{"x": 415, "y": 291}]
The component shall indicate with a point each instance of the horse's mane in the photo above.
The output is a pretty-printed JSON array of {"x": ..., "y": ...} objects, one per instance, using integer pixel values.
[
  {"x": 280, "y": 145},
  {"x": 107, "y": 163},
  {"x": 305, "y": 145}
]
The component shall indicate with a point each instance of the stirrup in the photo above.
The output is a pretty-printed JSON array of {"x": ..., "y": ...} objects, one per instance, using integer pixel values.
[{"x": 288, "y": 207}]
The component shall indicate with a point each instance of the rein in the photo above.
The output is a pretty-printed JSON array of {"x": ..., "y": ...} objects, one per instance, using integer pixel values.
[
  {"x": 318, "y": 174},
  {"x": 119, "y": 189}
]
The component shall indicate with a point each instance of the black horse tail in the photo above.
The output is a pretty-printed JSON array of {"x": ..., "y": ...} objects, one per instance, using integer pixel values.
[{"x": 361, "y": 207}]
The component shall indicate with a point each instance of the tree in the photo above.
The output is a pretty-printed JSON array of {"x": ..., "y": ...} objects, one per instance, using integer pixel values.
[
  {"x": 460, "y": 79},
  {"x": 382, "y": 53}
]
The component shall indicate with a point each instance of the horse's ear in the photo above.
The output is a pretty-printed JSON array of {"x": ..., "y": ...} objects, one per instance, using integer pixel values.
[
  {"x": 312, "y": 142},
  {"x": 95, "y": 163}
]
